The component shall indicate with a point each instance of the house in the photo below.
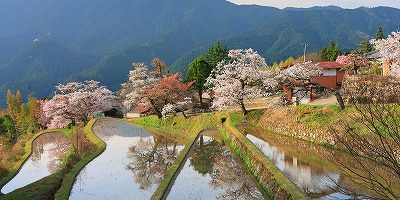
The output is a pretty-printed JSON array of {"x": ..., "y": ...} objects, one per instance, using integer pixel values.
[
  {"x": 133, "y": 114},
  {"x": 376, "y": 55},
  {"x": 332, "y": 76}
]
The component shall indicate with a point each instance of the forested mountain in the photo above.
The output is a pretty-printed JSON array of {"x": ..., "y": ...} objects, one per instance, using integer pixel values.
[
  {"x": 99, "y": 39},
  {"x": 39, "y": 67}
]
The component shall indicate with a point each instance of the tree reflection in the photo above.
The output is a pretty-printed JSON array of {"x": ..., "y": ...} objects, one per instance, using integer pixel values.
[
  {"x": 56, "y": 144},
  {"x": 204, "y": 154},
  {"x": 227, "y": 175},
  {"x": 151, "y": 160},
  {"x": 214, "y": 159}
]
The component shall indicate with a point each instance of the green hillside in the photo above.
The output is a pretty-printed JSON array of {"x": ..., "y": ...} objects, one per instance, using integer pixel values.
[
  {"x": 116, "y": 33},
  {"x": 38, "y": 68}
]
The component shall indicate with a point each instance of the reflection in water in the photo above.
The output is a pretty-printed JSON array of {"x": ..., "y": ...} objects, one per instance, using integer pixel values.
[
  {"x": 48, "y": 151},
  {"x": 316, "y": 177},
  {"x": 151, "y": 159},
  {"x": 310, "y": 179},
  {"x": 131, "y": 167},
  {"x": 213, "y": 173}
]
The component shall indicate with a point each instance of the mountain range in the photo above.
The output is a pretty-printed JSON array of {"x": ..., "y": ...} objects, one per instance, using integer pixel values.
[{"x": 47, "y": 42}]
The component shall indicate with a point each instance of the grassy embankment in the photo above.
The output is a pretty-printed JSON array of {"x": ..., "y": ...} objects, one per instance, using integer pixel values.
[
  {"x": 271, "y": 179},
  {"x": 305, "y": 122},
  {"x": 59, "y": 184}
]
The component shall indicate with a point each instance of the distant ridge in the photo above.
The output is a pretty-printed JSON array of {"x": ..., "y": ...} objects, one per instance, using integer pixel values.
[{"x": 332, "y": 8}]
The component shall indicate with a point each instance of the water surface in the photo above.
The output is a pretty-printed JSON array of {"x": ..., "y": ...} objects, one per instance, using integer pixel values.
[
  {"x": 48, "y": 151},
  {"x": 305, "y": 164},
  {"x": 131, "y": 167},
  {"x": 212, "y": 172}
]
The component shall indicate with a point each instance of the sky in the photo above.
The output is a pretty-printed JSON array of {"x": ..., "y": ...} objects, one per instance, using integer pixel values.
[{"x": 311, "y": 3}]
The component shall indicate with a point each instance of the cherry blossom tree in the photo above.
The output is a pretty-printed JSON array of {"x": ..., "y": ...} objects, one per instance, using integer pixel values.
[
  {"x": 245, "y": 76},
  {"x": 299, "y": 71},
  {"x": 170, "y": 90},
  {"x": 389, "y": 49},
  {"x": 134, "y": 91},
  {"x": 180, "y": 106},
  {"x": 146, "y": 92},
  {"x": 353, "y": 62},
  {"x": 77, "y": 101}
]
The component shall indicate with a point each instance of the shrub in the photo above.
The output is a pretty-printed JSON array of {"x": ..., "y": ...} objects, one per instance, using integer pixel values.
[{"x": 115, "y": 113}]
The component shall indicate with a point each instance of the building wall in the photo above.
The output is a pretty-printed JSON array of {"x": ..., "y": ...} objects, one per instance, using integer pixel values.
[
  {"x": 339, "y": 76},
  {"x": 132, "y": 115},
  {"x": 329, "y": 81},
  {"x": 329, "y": 72}
]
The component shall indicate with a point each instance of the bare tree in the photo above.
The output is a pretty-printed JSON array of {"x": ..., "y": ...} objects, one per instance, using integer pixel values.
[{"x": 372, "y": 139}]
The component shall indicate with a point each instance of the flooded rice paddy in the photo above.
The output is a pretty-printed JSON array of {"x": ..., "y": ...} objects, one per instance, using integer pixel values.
[
  {"x": 48, "y": 151},
  {"x": 212, "y": 172},
  {"x": 131, "y": 167},
  {"x": 308, "y": 166}
]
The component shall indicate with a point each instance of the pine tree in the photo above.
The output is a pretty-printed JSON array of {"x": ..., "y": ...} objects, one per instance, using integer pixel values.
[
  {"x": 379, "y": 34},
  {"x": 160, "y": 68},
  {"x": 364, "y": 47},
  {"x": 330, "y": 53},
  {"x": 216, "y": 54}
]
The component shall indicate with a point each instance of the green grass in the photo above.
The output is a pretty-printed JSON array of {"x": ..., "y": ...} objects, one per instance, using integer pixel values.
[
  {"x": 319, "y": 116},
  {"x": 308, "y": 107}
]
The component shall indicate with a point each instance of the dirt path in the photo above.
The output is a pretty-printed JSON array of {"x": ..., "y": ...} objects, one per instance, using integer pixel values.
[{"x": 331, "y": 100}]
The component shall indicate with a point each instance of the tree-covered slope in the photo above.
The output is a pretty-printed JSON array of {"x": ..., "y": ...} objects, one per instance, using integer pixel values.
[
  {"x": 38, "y": 68},
  {"x": 120, "y": 32}
]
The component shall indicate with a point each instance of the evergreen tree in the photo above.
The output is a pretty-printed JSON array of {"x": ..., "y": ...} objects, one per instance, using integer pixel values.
[
  {"x": 216, "y": 54},
  {"x": 9, "y": 125},
  {"x": 364, "y": 47},
  {"x": 198, "y": 72},
  {"x": 330, "y": 53},
  {"x": 379, "y": 34}
]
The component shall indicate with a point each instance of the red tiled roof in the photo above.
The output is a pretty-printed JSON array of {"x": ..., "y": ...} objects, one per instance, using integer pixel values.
[{"x": 330, "y": 65}]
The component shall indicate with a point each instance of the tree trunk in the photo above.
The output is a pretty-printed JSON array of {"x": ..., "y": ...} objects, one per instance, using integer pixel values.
[
  {"x": 200, "y": 92},
  {"x": 183, "y": 113},
  {"x": 241, "y": 101},
  {"x": 201, "y": 141},
  {"x": 339, "y": 98},
  {"x": 244, "y": 111},
  {"x": 73, "y": 122},
  {"x": 158, "y": 112}
]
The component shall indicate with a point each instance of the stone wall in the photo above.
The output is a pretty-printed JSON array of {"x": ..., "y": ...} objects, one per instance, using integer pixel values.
[{"x": 371, "y": 87}]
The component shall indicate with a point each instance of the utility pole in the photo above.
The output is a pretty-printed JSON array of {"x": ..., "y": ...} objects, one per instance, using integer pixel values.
[{"x": 304, "y": 51}]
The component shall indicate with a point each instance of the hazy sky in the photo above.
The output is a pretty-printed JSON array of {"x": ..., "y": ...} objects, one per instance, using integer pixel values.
[{"x": 310, "y": 3}]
